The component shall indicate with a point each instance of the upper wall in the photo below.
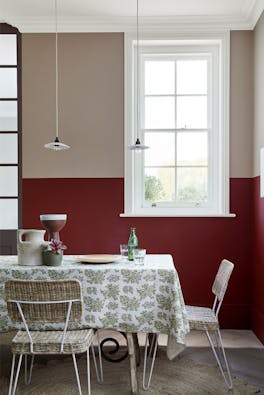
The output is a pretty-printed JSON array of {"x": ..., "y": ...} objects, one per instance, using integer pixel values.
[
  {"x": 258, "y": 202},
  {"x": 91, "y": 104},
  {"x": 259, "y": 93},
  {"x": 241, "y": 103}
]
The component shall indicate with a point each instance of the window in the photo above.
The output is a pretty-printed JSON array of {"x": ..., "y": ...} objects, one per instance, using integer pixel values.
[
  {"x": 10, "y": 138},
  {"x": 183, "y": 118}
]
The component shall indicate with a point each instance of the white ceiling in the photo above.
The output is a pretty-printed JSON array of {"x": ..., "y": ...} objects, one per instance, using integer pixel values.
[{"x": 119, "y": 15}]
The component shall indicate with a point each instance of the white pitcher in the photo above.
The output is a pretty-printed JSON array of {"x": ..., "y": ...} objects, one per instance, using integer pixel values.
[{"x": 29, "y": 250}]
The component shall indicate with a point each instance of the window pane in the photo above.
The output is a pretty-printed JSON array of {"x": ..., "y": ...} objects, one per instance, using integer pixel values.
[
  {"x": 8, "y": 83},
  {"x": 8, "y": 116},
  {"x": 8, "y": 55},
  {"x": 192, "y": 112},
  {"x": 192, "y": 77},
  {"x": 162, "y": 149},
  {"x": 192, "y": 148},
  {"x": 192, "y": 185},
  {"x": 159, "y": 184},
  {"x": 8, "y": 181},
  {"x": 8, "y": 148},
  {"x": 159, "y": 113},
  {"x": 8, "y": 214},
  {"x": 159, "y": 77}
]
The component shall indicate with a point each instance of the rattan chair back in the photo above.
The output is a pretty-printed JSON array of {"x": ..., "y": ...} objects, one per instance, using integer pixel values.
[
  {"x": 44, "y": 291},
  {"x": 221, "y": 280}
]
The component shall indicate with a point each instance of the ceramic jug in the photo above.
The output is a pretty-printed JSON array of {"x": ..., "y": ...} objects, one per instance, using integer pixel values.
[{"x": 30, "y": 249}]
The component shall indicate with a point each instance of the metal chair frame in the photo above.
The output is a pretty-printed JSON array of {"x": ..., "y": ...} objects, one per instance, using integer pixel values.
[
  {"x": 153, "y": 346},
  {"x": 28, "y": 375},
  {"x": 219, "y": 350},
  {"x": 219, "y": 354}
]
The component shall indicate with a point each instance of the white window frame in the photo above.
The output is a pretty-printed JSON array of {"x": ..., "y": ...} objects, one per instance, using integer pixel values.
[
  {"x": 9, "y": 201},
  {"x": 217, "y": 44}
]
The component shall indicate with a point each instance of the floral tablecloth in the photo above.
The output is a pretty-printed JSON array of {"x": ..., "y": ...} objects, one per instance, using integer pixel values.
[{"x": 120, "y": 295}]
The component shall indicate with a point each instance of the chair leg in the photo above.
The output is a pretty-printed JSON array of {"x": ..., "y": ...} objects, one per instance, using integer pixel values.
[
  {"x": 12, "y": 391},
  {"x": 12, "y": 374},
  {"x": 98, "y": 377},
  {"x": 88, "y": 373},
  {"x": 28, "y": 375},
  {"x": 77, "y": 373},
  {"x": 100, "y": 358},
  {"x": 225, "y": 359},
  {"x": 227, "y": 378},
  {"x": 154, "y": 344},
  {"x": 217, "y": 344}
]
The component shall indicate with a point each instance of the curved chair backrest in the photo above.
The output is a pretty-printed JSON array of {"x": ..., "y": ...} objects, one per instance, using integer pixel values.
[
  {"x": 221, "y": 282},
  {"x": 44, "y": 301}
]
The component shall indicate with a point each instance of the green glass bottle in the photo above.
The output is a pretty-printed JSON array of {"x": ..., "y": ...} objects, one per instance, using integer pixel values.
[{"x": 132, "y": 243}]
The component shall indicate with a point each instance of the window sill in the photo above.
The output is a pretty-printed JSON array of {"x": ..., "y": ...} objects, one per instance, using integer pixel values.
[{"x": 198, "y": 215}]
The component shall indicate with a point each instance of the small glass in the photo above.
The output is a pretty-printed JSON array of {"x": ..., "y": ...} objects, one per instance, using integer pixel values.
[
  {"x": 124, "y": 251},
  {"x": 139, "y": 256}
]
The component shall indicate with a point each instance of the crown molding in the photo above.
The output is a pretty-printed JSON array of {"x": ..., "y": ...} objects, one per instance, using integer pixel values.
[
  {"x": 245, "y": 21},
  {"x": 254, "y": 12},
  {"x": 127, "y": 24}
]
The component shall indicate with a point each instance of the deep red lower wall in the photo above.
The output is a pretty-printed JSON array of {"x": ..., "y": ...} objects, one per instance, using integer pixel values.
[
  {"x": 258, "y": 262},
  {"x": 196, "y": 244}
]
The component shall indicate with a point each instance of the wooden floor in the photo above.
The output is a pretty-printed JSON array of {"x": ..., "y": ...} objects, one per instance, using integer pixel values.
[
  {"x": 232, "y": 338},
  {"x": 244, "y": 351}
]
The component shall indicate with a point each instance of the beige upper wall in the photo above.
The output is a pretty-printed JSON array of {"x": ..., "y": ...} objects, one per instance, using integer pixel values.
[
  {"x": 241, "y": 103},
  {"x": 92, "y": 104},
  {"x": 258, "y": 93}
]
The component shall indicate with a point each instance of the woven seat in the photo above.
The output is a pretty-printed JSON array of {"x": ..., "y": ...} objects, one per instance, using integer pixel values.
[
  {"x": 206, "y": 319},
  {"x": 48, "y": 302},
  {"x": 202, "y": 318},
  {"x": 49, "y": 342}
]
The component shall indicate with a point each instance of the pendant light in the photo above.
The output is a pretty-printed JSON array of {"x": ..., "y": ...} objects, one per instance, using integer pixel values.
[
  {"x": 137, "y": 147},
  {"x": 56, "y": 145}
]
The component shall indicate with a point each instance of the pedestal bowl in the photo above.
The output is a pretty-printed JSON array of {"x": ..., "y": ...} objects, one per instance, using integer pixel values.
[{"x": 53, "y": 223}]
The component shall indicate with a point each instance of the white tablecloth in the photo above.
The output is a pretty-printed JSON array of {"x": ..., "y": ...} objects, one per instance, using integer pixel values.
[{"x": 120, "y": 296}]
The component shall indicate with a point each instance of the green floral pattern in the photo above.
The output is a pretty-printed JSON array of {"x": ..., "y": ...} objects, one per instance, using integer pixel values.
[{"x": 119, "y": 295}]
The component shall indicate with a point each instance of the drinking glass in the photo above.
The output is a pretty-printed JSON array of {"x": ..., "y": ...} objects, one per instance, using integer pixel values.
[
  {"x": 139, "y": 256},
  {"x": 124, "y": 251}
]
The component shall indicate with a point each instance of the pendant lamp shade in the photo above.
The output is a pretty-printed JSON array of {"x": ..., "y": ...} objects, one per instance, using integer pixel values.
[
  {"x": 138, "y": 147},
  {"x": 56, "y": 145}
]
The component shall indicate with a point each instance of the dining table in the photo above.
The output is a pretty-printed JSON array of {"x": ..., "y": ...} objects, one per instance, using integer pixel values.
[{"x": 120, "y": 295}]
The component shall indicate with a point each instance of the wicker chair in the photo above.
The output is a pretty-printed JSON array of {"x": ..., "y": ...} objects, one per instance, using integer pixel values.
[
  {"x": 39, "y": 302},
  {"x": 206, "y": 319}
]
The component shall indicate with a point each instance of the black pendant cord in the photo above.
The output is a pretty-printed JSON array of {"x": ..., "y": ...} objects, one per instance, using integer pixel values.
[
  {"x": 136, "y": 131},
  {"x": 56, "y": 145},
  {"x": 138, "y": 74},
  {"x": 56, "y": 72}
]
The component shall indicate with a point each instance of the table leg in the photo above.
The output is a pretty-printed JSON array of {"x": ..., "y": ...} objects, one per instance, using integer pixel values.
[
  {"x": 133, "y": 368},
  {"x": 137, "y": 349},
  {"x": 152, "y": 338}
]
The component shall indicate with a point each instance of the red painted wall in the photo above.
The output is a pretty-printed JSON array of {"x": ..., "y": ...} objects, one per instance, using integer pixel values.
[
  {"x": 196, "y": 244},
  {"x": 258, "y": 262}
]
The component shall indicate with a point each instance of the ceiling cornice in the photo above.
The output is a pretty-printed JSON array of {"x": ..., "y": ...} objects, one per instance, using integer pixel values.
[
  {"x": 245, "y": 21},
  {"x": 254, "y": 12}
]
